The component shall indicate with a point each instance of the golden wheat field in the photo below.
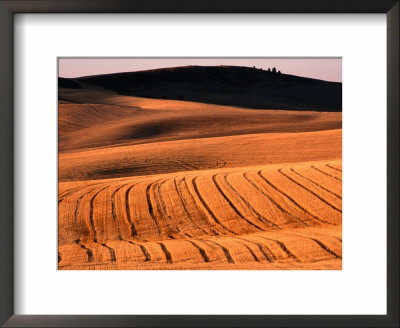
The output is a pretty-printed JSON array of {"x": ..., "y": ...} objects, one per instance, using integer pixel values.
[
  {"x": 266, "y": 217},
  {"x": 166, "y": 184},
  {"x": 217, "y": 203}
]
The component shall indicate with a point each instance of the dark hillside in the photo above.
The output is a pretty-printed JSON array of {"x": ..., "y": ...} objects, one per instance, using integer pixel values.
[{"x": 224, "y": 85}]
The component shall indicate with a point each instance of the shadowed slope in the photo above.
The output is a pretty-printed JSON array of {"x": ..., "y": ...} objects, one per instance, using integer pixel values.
[{"x": 131, "y": 120}]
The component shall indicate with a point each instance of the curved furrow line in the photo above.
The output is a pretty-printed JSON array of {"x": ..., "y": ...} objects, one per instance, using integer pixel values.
[
  {"x": 214, "y": 178},
  {"x": 184, "y": 206},
  {"x": 208, "y": 209},
  {"x": 316, "y": 218},
  {"x": 68, "y": 193},
  {"x": 180, "y": 165},
  {"x": 334, "y": 168},
  {"x": 113, "y": 209},
  {"x": 325, "y": 173},
  {"x": 316, "y": 183},
  {"x": 224, "y": 250},
  {"x": 310, "y": 191},
  {"x": 89, "y": 252},
  {"x": 78, "y": 204},
  {"x": 113, "y": 257},
  {"x": 283, "y": 247},
  {"x": 319, "y": 234},
  {"x": 147, "y": 256},
  {"x": 162, "y": 207},
  {"x": 91, "y": 220},
  {"x": 59, "y": 257},
  {"x": 184, "y": 165},
  {"x": 249, "y": 249},
  {"x": 65, "y": 194},
  {"x": 219, "y": 165},
  {"x": 214, "y": 232},
  {"x": 273, "y": 200},
  {"x": 326, "y": 248},
  {"x": 201, "y": 250},
  {"x": 75, "y": 190},
  {"x": 168, "y": 256},
  {"x": 128, "y": 210},
  {"x": 320, "y": 244},
  {"x": 193, "y": 167},
  {"x": 259, "y": 215},
  {"x": 203, "y": 216},
  {"x": 150, "y": 205},
  {"x": 268, "y": 257}
]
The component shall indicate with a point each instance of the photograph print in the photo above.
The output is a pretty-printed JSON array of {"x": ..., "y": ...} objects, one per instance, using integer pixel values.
[{"x": 199, "y": 163}]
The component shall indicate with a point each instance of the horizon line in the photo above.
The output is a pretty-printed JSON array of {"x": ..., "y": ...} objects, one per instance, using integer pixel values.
[{"x": 169, "y": 67}]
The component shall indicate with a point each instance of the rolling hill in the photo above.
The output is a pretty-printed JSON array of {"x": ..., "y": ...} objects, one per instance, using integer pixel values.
[
  {"x": 199, "y": 168},
  {"x": 222, "y": 85}
]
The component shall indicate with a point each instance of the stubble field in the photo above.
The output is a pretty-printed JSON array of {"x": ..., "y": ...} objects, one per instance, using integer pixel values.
[{"x": 162, "y": 184}]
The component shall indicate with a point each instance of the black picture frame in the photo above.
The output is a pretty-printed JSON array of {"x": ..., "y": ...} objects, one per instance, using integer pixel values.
[{"x": 10, "y": 7}]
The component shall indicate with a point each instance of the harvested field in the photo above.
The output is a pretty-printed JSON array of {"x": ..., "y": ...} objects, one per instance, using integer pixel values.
[
  {"x": 166, "y": 184},
  {"x": 265, "y": 217}
]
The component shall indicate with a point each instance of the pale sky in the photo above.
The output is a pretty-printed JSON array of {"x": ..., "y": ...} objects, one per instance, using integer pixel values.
[{"x": 329, "y": 69}]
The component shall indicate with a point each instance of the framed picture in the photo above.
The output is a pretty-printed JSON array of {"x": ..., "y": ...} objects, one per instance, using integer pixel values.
[
  {"x": 144, "y": 171},
  {"x": 199, "y": 164}
]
